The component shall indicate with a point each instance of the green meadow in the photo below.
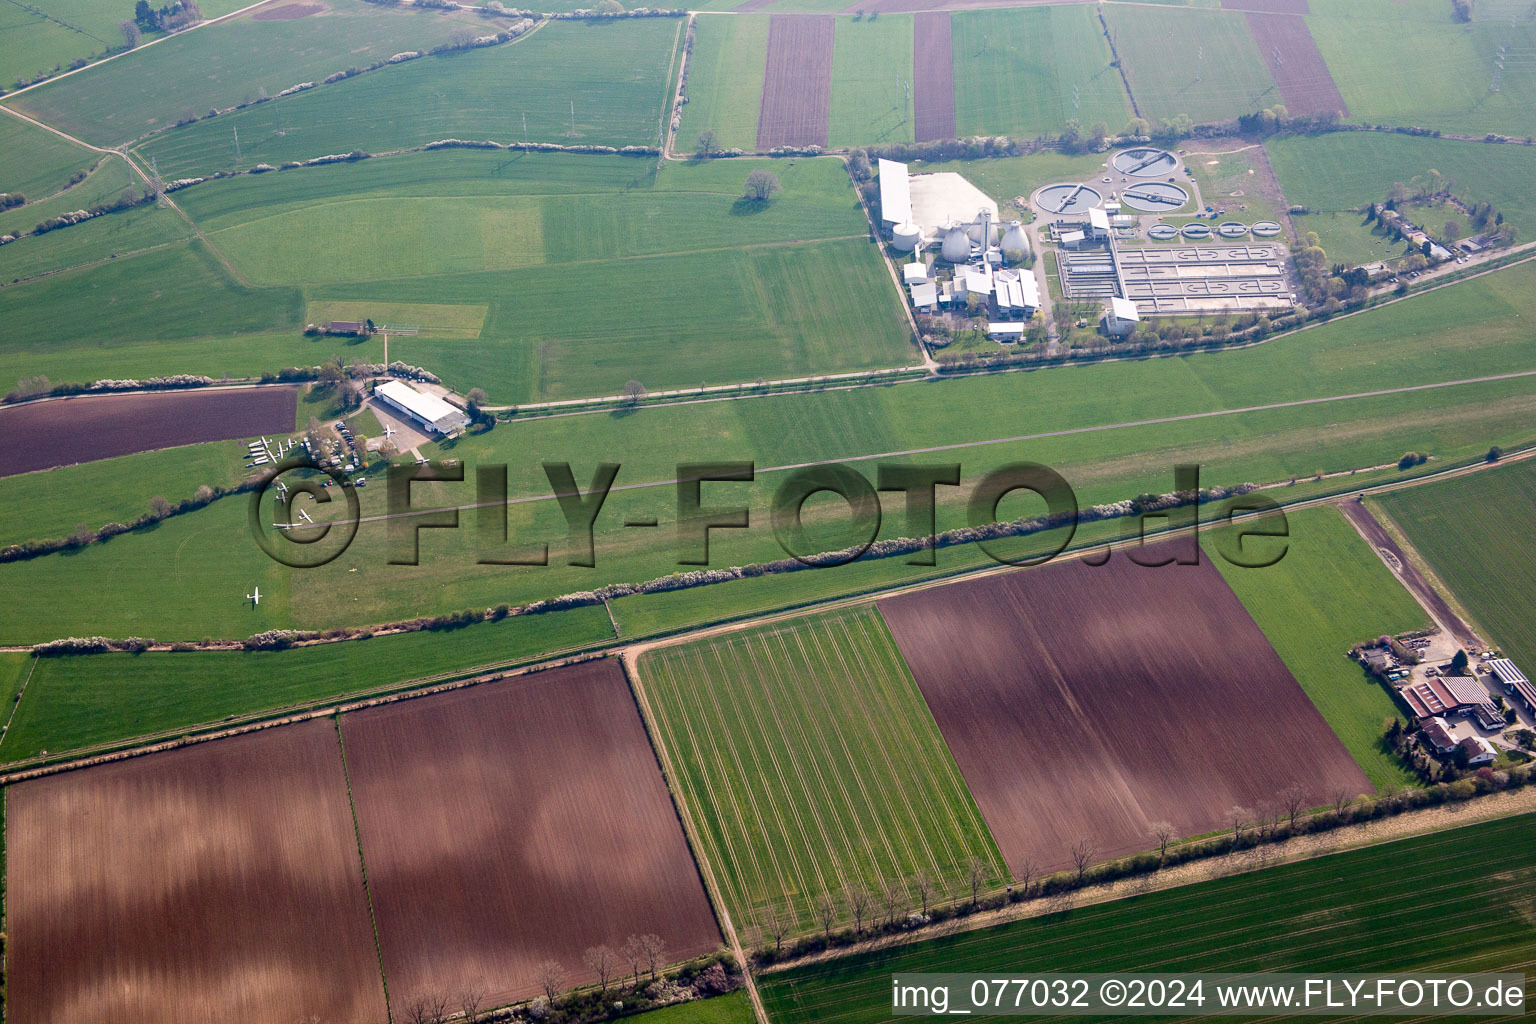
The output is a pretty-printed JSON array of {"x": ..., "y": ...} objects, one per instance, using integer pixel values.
[
  {"x": 809, "y": 764},
  {"x": 612, "y": 78},
  {"x": 36, "y": 162},
  {"x": 1028, "y": 72},
  {"x": 97, "y": 240},
  {"x": 1336, "y": 913},
  {"x": 1449, "y": 84},
  {"x": 871, "y": 69},
  {"x": 725, "y": 80},
  {"x": 105, "y": 183},
  {"x": 1327, "y": 594},
  {"x": 1475, "y": 534},
  {"x": 1203, "y": 63},
  {"x": 232, "y": 62},
  {"x": 86, "y": 700},
  {"x": 1346, "y": 171}
]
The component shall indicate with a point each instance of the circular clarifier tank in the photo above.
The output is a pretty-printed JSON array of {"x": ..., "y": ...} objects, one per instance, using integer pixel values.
[
  {"x": 1196, "y": 230},
  {"x": 1231, "y": 229},
  {"x": 1066, "y": 200},
  {"x": 1266, "y": 229},
  {"x": 1145, "y": 162},
  {"x": 1154, "y": 196},
  {"x": 1162, "y": 232}
]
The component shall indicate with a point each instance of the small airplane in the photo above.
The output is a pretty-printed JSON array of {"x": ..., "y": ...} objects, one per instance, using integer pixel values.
[
  {"x": 389, "y": 431},
  {"x": 282, "y": 490},
  {"x": 305, "y": 516},
  {"x": 255, "y": 596}
]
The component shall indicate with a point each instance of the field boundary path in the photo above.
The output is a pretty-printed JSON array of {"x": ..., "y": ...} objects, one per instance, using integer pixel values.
[
  {"x": 1407, "y": 571},
  {"x": 1406, "y": 825},
  {"x": 629, "y": 661}
]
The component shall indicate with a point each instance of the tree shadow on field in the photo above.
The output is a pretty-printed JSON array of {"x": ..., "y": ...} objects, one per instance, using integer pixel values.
[{"x": 744, "y": 207}]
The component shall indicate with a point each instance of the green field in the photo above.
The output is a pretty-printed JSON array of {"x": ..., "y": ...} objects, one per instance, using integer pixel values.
[
  {"x": 1327, "y": 594},
  {"x": 1203, "y": 63},
  {"x": 871, "y": 61},
  {"x": 810, "y": 763},
  {"x": 85, "y": 700},
  {"x": 615, "y": 74},
  {"x": 34, "y": 507},
  {"x": 35, "y": 162},
  {"x": 99, "y": 239},
  {"x": 230, "y": 63},
  {"x": 149, "y": 314},
  {"x": 1006, "y": 178},
  {"x": 1221, "y": 175},
  {"x": 1349, "y": 170},
  {"x": 14, "y": 669},
  {"x": 1337, "y": 913},
  {"x": 200, "y": 564},
  {"x": 734, "y": 1008},
  {"x": 105, "y": 183},
  {"x": 1474, "y": 533},
  {"x": 486, "y": 227},
  {"x": 1448, "y": 86},
  {"x": 1016, "y": 72},
  {"x": 725, "y": 80},
  {"x": 1347, "y": 239}
]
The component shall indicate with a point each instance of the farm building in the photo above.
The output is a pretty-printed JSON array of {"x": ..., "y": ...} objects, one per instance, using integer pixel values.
[
  {"x": 1479, "y": 750},
  {"x": 345, "y": 327},
  {"x": 1451, "y": 695},
  {"x": 1120, "y": 317},
  {"x": 1513, "y": 681},
  {"x": 1438, "y": 733},
  {"x": 428, "y": 410}
]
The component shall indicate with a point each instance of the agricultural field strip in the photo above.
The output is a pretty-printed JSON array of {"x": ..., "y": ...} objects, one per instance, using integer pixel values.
[
  {"x": 790, "y": 718},
  {"x": 1299, "y": 904},
  {"x": 1006, "y": 440}
]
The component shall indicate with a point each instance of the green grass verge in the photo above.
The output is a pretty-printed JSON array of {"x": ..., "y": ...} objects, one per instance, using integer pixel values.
[
  {"x": 810, "y": 763},
  {"x": 725, "y": 80},
  {"x": 1337, "y": 913},
  {"x": 1203, "y": 63},
  {"x": 85, "y": 700},
  {"x": 233, "y": 62},
  {"x": 614, "y": 73},
  {"x": 1475, "y": 534},
  {"x": 1327, "y": 594},
  {"x": 1028, "y": 72},
  {"x": 734, "y": 1008}
]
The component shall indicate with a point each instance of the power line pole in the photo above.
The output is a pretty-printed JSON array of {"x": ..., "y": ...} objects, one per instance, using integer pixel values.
[
  {"x": 237, "y": 144},
  {"x": 525, "y": 129},
  {"x": 573, "y": 117}
]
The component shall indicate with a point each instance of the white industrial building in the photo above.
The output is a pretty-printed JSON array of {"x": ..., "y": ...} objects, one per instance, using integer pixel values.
[
  {"x": 1017, "y": 292},
  {"x": 1098, "y": 224},
  {"x": 924, "y": 295},
  {"x": 428, "y": 410},
  {"x": 1120, "y": 317}
]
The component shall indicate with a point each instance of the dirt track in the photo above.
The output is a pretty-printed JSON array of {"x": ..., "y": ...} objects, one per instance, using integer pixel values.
[
  {"x": 1428, "y": 597},
  {"x": 61, "y": 432},
  {"x": 1306, "y": 84},
  {"x": 797, "y": 81},
  {"x": 219, "y": 882},
  {"x": 1086, "y": 702},
  {"x": 516, "y": 822},
  {"x": 933, "y": 75}
]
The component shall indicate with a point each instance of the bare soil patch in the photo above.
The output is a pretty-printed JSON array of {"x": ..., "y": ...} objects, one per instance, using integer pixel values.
[
  {"x": 797, "y": 81},
  {"x": 933, "y": 75},
  {"x": 516, "y": 822},
  {"x": 64, "y": 431},
  {"x": 1088, "y": 702},
  {"x": 1268, "y": 6},
  {"x": 1305, "y": 82},
  {"x": 287, "y": 12},
  {"x": 218, "y": 882},
  {"x": 908, "y": 6}
]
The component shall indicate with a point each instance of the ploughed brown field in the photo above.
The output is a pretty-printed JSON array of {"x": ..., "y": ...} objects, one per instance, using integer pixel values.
[
  {"x": 1306, "y": 84},
  {"x": 933, "y": 73},
  {"x": 1269, "y": 6},
  {"x": 287, "y": 12},
  {"x": 61, "y": 432},
  {"x": 517, "y": 822},
  {"x": 797, "y": 81},
  {"x": 218, "y": 882},
  {"x": 1086, "y": 702}
]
